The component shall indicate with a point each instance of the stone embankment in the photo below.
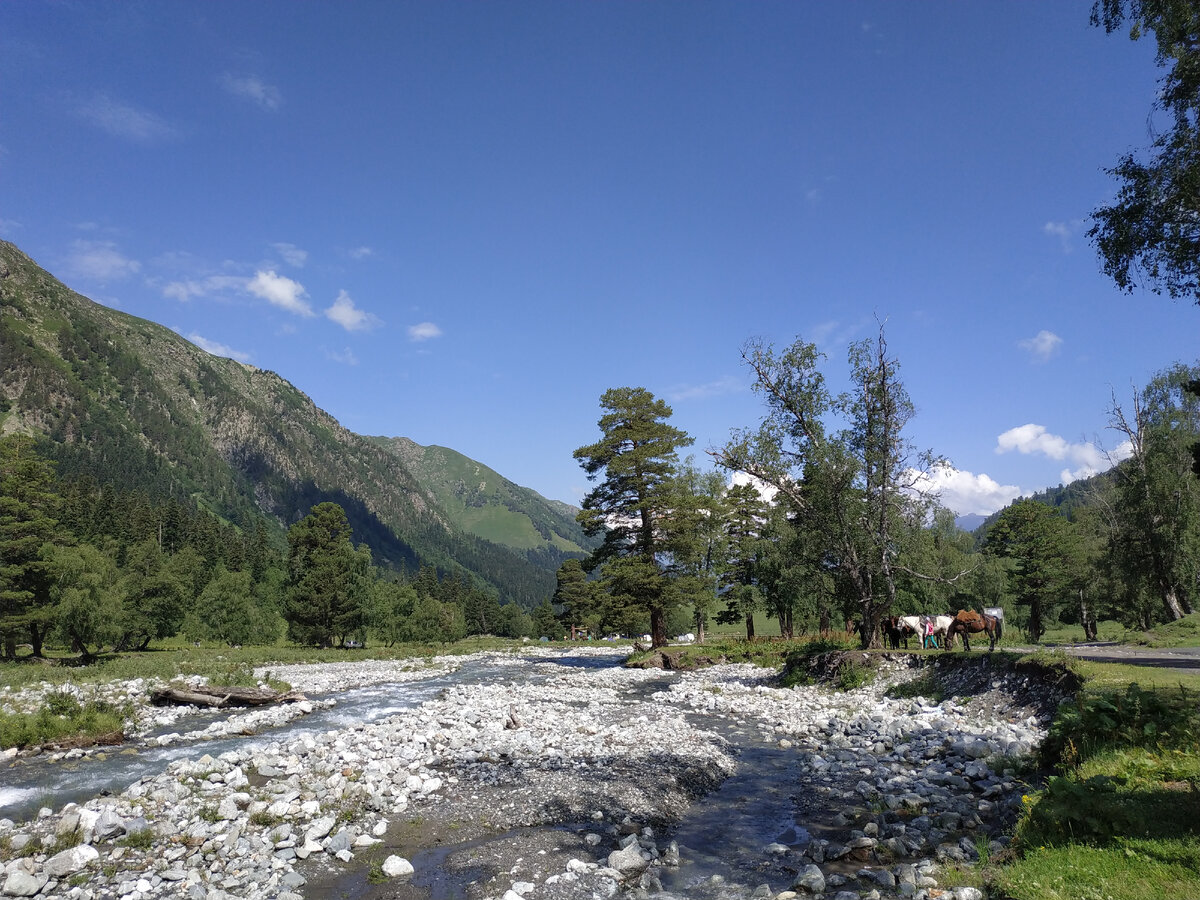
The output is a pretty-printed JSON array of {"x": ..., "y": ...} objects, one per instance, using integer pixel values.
[{"x": 904, "y": 789}]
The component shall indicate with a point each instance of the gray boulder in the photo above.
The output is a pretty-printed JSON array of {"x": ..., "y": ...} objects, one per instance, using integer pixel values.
[
  {"x": 109, "y": 826},
  {"x": 810, "y": 880},
  {"x": 22, "y": 884},
  {"x": 70, "y": 861},
  {"x": 628, "y": 861}
]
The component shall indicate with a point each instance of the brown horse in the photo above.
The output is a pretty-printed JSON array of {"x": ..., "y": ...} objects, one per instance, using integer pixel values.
[{"x": 971, "y": 622}]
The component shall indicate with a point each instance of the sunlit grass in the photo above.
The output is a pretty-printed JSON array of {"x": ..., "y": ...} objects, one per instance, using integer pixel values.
[{"x": 1129, "y": 870}]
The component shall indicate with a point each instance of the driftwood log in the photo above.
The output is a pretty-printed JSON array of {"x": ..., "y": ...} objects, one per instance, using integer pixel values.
[
  {"x": 222, "y": 697},
  {"x": 111, "y": 739}
]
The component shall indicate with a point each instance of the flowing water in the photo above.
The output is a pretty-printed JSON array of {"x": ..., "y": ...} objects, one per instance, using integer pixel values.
[{"x": 722, "y": 834}]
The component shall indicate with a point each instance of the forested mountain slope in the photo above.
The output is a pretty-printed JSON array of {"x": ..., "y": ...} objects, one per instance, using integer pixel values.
[
  {"x": 130, "y": 403},
  {"x": 482, "y": 502}
]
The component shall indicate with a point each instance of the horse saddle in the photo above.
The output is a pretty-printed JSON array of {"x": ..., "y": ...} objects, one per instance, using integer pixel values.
[{"x": 970, "y": 618}]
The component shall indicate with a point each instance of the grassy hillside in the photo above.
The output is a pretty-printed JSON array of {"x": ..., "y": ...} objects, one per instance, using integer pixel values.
[
  {"x": 482, "y": 502},
  {"x": 127, "y": 402}
]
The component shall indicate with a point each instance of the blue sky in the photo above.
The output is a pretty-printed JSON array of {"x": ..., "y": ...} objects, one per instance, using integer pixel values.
[{"x": 462, "y": 222}]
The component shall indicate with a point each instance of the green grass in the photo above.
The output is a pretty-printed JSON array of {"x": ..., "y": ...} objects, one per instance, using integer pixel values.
[
  {"x": 215, "y": 661},
  {"x": 1121, "y": 819},
  {"x": 1107, "y": 630},
  {"x": 62, "y": 718},
  {"x": 1184, "y": 632}
]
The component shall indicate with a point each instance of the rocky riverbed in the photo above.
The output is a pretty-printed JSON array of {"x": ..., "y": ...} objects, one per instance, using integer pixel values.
[{"x": 563, "y": 776}]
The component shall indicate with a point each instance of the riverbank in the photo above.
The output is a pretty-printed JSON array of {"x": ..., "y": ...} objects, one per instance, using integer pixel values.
[{"x": 560, "y": 775}]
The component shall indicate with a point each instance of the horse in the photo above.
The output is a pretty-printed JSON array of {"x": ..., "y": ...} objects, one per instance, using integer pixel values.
[
  {"x": 896, "y": 629},
  {"x": 915, "y": 625},
  {"x": 971, "y": 622}
]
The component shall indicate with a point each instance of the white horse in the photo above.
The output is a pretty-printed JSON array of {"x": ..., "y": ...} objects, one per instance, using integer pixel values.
[{"x": 941, "y": 625}]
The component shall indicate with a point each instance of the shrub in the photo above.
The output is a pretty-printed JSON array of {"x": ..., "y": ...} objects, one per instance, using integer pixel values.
[{"x": 1130, "y": 718}]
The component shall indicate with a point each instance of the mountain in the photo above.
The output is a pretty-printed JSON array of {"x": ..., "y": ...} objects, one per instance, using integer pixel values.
[
  {"x": 969, "y": 521},
  {"x": 481, "y": 502},
  {"x": 127, "y": 402},
  {"x": 1065, "y": 498}
]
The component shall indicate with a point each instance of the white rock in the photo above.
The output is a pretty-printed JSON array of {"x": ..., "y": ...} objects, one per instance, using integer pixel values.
[
  {"x": 395, "y": 866},
  {"x": 70, "y": 861}
]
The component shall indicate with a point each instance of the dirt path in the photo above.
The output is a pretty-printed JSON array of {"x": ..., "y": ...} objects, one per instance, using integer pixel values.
[{"x": 1182, "y": 659}]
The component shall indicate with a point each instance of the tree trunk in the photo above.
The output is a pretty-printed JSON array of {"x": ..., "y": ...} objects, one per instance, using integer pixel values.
[
  {"x": 1171, "y": 602},
  {"x": 1087, "y": 618},
  {"x": 658, "y": 628},
  {"x": 36, "y": 638},
  {"x": 750, "y": 626}
]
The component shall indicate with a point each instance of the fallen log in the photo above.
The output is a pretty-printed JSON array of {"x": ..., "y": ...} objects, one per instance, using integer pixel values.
[
  {"x": 221, "y": 697},
  {"x": 111, "y": 739}
]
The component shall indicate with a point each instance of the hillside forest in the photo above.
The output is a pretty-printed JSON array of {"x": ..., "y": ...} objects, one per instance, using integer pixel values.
[{"x": 833, "y": 522}]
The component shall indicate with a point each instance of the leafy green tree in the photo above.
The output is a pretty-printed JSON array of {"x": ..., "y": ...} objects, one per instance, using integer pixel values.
[
  {"x": 856, "y": 488},
  {"x": 1040, "y": 544},
  {"x": 155, "y": 595},
  {"x": 481, "y": 611},
  {"x": 694, "y": 525},
  {"x": 580, "y": 599},
  {"x": 433, "y": 622},
  {"x": 746, "y": 547},
  {"x": 392, "y": 603},
  {"x": 28, "y": 504},
  {"x": 514, "y": 622},
  {"x": 545, "y": 623},
  {"x": 636, "y": 455},
  {"x": 795, "y": 582},
  {"x": 328, "y": 579},
  {"x": 939, "y": 556},
  {"x": 87, "y": 600},
  {"x": 1157, "y": 508},
  {"x": 1153, "y": 227},
  {"x": 226, "y": 611}
]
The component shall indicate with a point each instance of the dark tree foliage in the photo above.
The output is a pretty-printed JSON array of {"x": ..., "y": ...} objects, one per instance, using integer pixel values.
[
  {"x": 28, "y": 506},
  {"x": 1151, "y": 233},
  {"x": 1041, "y": 546},
  {"x": 633, "y": 464},
  {"x": 327, "y": 579}
]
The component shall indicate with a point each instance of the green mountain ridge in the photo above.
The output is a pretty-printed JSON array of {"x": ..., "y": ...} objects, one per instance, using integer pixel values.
[
  {"x": 482, "y": 502},
  {"x": 130, "y": 403}
]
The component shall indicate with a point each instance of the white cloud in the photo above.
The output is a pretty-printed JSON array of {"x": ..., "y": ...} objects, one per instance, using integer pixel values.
[
  {"x": 1086, "y": 458},
  {"x": 1042, "y": 346},
  {"x": 1064, "y": 231},
  {"x": 217, "y": 349},
  {"x": 123, "y": 120},
  {"x": 267, "y": 96},
  {"x": 281, "y": 291},
  {"x": 187, "y": 290},
  {"x": 766, "y": 491},
  {"x": 100, "y": 261},
  {"x": 361, "y": 252},
  {"x": 965, "y": 493},
  {"x": 727, "y": 384},
  {"x": 346, "y": 357},
  {"x": 291, "y": 254},
  {"x": 349, "y": 316},
  {"x": 9, "y": 226},
  {"x": 423, "y": 332}
]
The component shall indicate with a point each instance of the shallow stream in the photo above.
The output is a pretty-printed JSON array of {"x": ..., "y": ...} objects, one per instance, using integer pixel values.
[{"x": 722, "y": 834}]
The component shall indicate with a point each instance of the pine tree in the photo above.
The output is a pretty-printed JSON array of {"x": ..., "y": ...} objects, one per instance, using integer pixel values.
[
  {"x": 27, "y": 522},
  {"x": 327, "y": 579},
  {"x": 636, "y": 455}
]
